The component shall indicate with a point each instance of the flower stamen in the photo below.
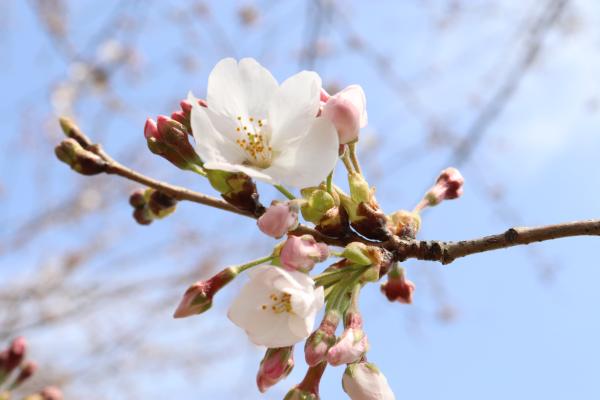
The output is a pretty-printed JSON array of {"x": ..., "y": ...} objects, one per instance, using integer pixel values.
[
  {"x": 255, "y": 145},
  {"x": 280, "y": 304}
]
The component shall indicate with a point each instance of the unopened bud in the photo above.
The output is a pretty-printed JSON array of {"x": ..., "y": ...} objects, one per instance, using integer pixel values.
[
  {"x": 25, "y": 373},
  {"x": 364, "y": 381},
  {"x": 347, "y": 111},
  {"x": 161, "y": 204},
  {"x": 279, "y": 218},
  {"x": 237, "y": 189},
  {"x": 83, "y": 161},
  {"x": 360, "y": 192},
  {"x": 302, "y": 253},
  {"x": 357, "y": 253},
  {"x": 142, "y": 216},
  {"x": 198, "y": 297},
  {"x": 15, "y": 355},
  {"x": 51, "y": 393},
  {"x": 352, "y": 344},
  {"x": 398, "y": 288},
  {"x": 320, "y": 341},
  {"x": 275, "y": 366},
  {"x": 318, "y": 202},
  {"x": 138, "y": 198},
  {"x": 174, "y": 135},
  {"x": 405, "y": 223},
  {"x": 448, "y": 186},
  {"x": 160, "y": 142}
]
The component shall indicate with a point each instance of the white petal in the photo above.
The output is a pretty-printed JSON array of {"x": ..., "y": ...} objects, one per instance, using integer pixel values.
[
  {"x": 210, "y": 143},
  {"x": 258, "y": 85},
  {"x": 243, "y": 89},
  {"x": 309, "y": 161},
  {"x": 224, "y": 93},
  {"x": 356, "y": 95},
  {"x": 300, "y": 327},
  {"x": 293, "y": 107},
  {"x": 251, "y": 172}
]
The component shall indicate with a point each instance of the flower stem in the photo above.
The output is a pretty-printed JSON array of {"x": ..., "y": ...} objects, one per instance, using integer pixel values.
[
  {"x": 347, "y": 162},
  {"x": 354, "y": 158},
  {"x": 199, "y": 171},
  {"x": 243, "y": 267},
  {"x": 329, "y": 183},
  {"x": 285, "y": 192}
]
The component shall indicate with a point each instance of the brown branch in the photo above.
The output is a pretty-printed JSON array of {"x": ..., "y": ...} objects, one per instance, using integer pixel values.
[
  {"x": 446, "y": 252},
  {"x": 401, "y": 248}
]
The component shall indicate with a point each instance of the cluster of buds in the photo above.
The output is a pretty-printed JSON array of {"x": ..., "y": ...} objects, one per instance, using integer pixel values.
[
  {"x": 79, "y": 159},
  {"x": 169, "y": 139},
  {"x": 15, "y": 370},
  {"x": 324, "y": 209},
  {"x": 364, "y": 213},
  {"x": 238, "y": 189},
  {"x": 150, "y": 204},
  {"x": 448, "y": 186}
]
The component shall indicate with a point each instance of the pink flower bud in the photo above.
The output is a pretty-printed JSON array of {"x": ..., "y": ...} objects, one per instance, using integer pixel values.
[
  {"x": 198, "y": 297},
  {"x": 179, "y": 116},
  {"x": 51, "y": 393},
  {"x": 320, "y": 341},
  {"x": 150, "y": 129},
  {"x": 279, "y": 218},
  {"x": 302, "y": 253},
  {"x": 397, "y": 288},
  {"x": 347, "y": 111},
  {"x": 353, "y": 344},
  {"x": 452, "y": 183},
  {"x": 275, "y": 366},
  {"x": 16, "y": 354},
  {"x": 364, "y": 381},
  {"x": 448, "y": 186}
]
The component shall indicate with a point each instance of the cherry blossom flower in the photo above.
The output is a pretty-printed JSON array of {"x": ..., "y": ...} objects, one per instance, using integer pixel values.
[
  {"x": 347, "y": 110},
  {"x": 364, "y": 381},
  {"x": 277, "y": 308},
  {"x": 251, "y": 124}
]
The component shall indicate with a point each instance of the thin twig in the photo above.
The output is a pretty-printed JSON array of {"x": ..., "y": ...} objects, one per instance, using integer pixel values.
[{"x": 446, "y": 252}]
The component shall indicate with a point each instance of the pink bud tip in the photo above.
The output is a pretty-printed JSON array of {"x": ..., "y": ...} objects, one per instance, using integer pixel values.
[
  {"x": 302, "y": 252},
  {"x": 150, "y": 129},
  {"x": 452, "y": 181},
  {"x": 179, "y": 116},
  {"x": 398, "y": 288},
  {"x": 279, "y": 219},
  {"x": 353, "y": 344},
  {"x": 15, "y": 354},
  {"x": 197, "y": 299},
  {"x": 186, "y": 106},
  {"x": 347, "y": 111},
  {"x": 163, "y": 124},
  {"x": 51, "y": 393},
  {"x": 275, "y": 366}
]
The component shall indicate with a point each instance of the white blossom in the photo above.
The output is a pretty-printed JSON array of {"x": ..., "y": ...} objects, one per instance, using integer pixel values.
[
  {"x": 277, "y": 308},
  {"x": 269, "y": 131}
]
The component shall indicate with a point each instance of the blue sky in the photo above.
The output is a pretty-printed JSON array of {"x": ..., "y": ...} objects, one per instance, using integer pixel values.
[{"x": 515, "y": 331}]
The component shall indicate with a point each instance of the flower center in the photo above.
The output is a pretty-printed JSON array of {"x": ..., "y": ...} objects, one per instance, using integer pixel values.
[
  {"x": 280, "y": 303},
  {"x": 254, "y": 141}
]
